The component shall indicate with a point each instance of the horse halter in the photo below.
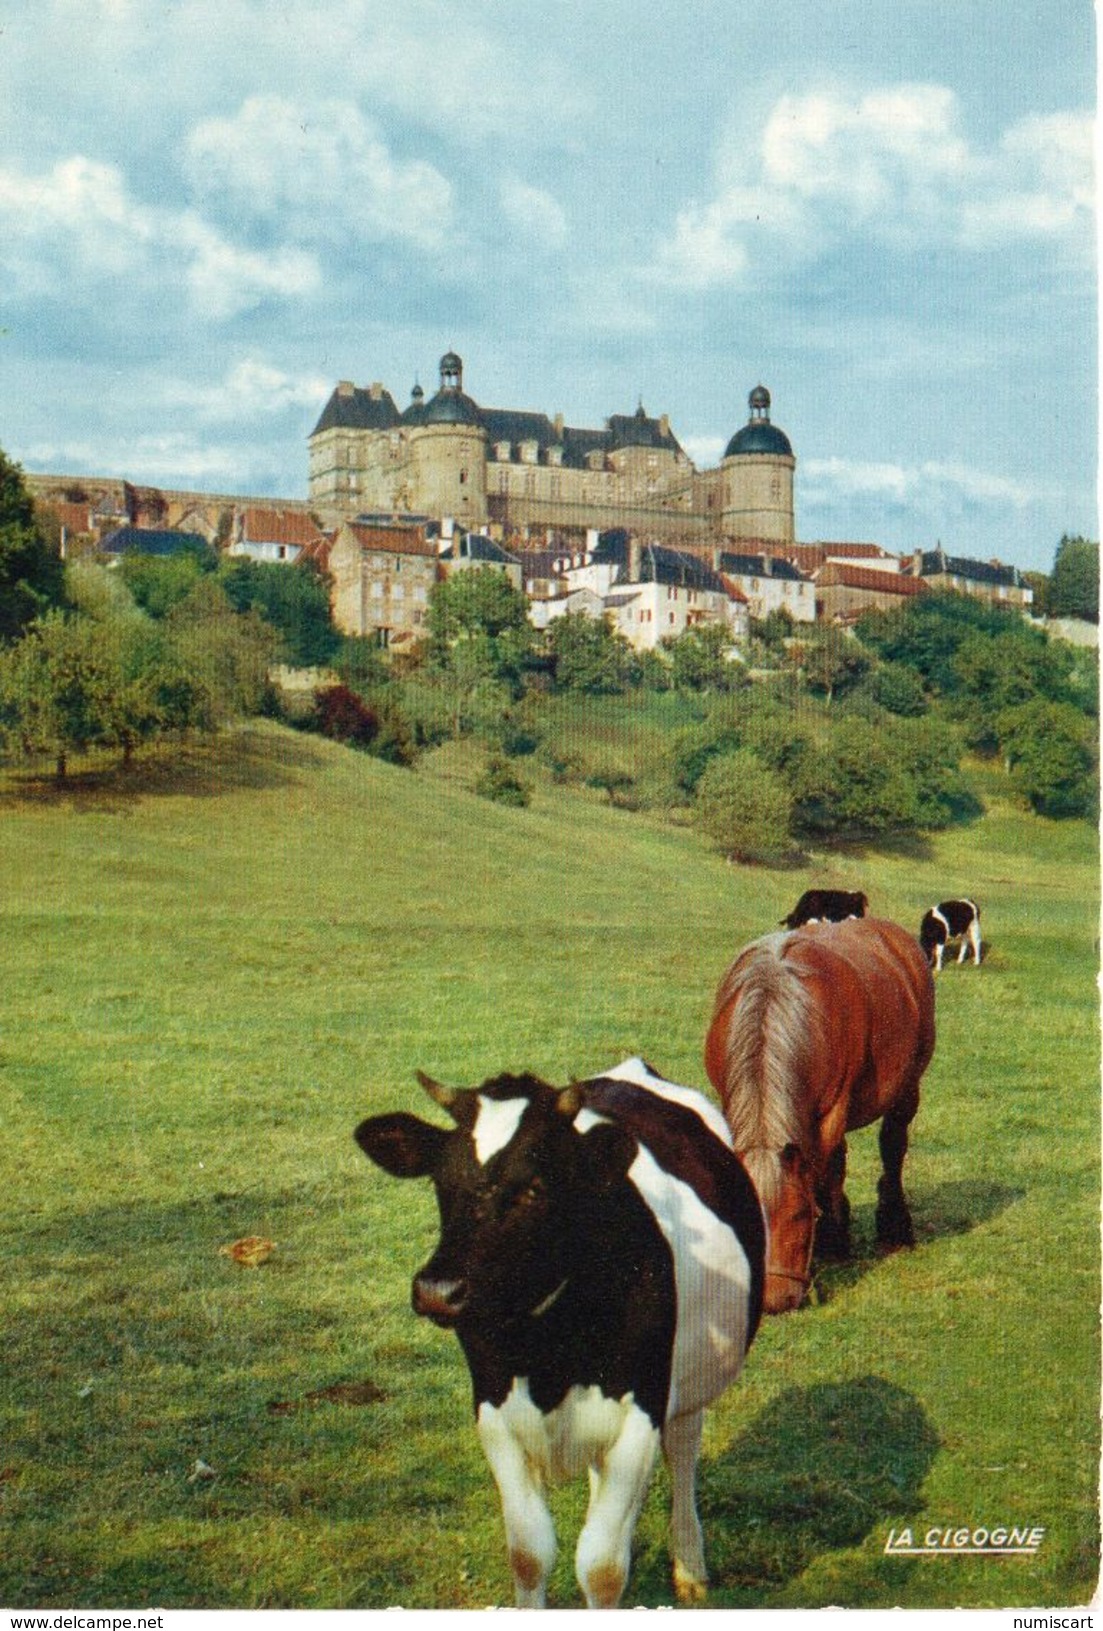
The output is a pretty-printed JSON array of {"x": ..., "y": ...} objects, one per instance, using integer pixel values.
[{"x": 804, "y": 1280}]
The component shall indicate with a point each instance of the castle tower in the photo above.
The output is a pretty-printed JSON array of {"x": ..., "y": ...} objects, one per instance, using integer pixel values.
[
  {"x": 448, "y": 443},
  {"x": 757, "y": 478}
]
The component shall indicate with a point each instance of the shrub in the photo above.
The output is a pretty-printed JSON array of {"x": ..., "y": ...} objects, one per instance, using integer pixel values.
[
  {"x": 500, "y": 782},
  {"x": 344, "y": 717},
  {"x": 745, "y": 808}
]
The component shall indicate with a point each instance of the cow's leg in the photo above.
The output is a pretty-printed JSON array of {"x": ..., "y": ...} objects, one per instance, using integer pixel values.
[
  {"x": 966, "y": 941},
  {"x": 833, "y": 1226},
  {"x": 681, "y": 1445},
  {"x": 530, "y": 1533},
  {"x": 939, "y": 948},
  {"x": 617, "y": 1490},
  {"x": 974, "y": 939},
  {"x": 894, "y": 1222}
]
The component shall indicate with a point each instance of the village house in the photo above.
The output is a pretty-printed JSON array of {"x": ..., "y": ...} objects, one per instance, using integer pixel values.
[
  {"x": 844, "y": 592},
  {"x": 986, "y": 580},
  {"x": 382, "y": 573},
  {"x": 770, "y": 583},
  {"x": 270, "y": 534}
]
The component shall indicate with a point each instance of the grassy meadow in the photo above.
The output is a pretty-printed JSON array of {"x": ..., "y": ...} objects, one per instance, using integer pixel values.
[{"x": 211, "y": 970}]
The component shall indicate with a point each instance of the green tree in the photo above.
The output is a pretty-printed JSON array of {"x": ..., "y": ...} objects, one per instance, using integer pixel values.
[
  {"x": 56, "y": 690},
  {"x": 478, "y": 625},
  {"x": 587, "y": 655},
  {"x": 294, "y": 599},
  {"x": 1074, "y": 582},
  {"x": 927, "y": 632},
  {"x": 31, "y": 570},
  {"x": 994, "y": 672},
  {"x": 160, "y": 582},
  {"x": 222, "y": 656},
  {"x": 745, "y": 808},
  {"x": 857, "y": 784},
  {"x": 1051, "y": 750},
  {"x": 829, "y": 659},
  {"x": 701, "y": 659}
]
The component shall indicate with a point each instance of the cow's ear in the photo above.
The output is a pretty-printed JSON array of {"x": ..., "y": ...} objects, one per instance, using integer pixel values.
[
  {"x": 609, "y": 1151},
  {"x": 403, "y": 1145}
]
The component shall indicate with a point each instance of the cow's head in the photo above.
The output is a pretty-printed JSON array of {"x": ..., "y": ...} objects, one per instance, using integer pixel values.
[{"x": 516, "y": 1182}]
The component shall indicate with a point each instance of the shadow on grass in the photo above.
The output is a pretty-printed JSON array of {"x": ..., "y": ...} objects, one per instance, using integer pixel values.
[
  {"x": 819, "y": 1470},
  {"x": 948, "y": 1209},
  {"x": 197, "y": 768}
]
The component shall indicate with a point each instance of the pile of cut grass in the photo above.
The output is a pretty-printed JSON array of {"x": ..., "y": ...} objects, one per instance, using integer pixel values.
[{"x": 214, "y": 968}]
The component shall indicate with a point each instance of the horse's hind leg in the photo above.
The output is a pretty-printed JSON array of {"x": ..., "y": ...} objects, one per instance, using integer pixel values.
[
  {"x": 833, "y": 1228},
  {"x": 894, "y": 1222}
]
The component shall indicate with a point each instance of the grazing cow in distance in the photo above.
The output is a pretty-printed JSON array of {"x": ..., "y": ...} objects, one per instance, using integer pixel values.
[
  {"x": 834, "y": 905},
  {"x": 951, "y": 920},
  {"x": 601, "y": 1260}
]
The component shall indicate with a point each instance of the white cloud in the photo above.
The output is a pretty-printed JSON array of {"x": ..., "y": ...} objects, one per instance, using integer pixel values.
[
  {"x": 892, "y": 165},
  {"x": 534, "y": 213},
  {"x": 250, "y": 389},
  {"x": 81, "y": 215},
  {"x": 826, "y": 480},
  {"x": 325, "y": 168}
]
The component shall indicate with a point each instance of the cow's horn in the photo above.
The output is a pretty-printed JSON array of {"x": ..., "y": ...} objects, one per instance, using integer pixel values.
[
  {"x": 569, "y": 1102},
  {"x": 447, "y": 1097}
]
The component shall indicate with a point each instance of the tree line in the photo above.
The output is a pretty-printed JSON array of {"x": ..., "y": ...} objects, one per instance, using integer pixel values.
[{"x": 813, "y": 733}]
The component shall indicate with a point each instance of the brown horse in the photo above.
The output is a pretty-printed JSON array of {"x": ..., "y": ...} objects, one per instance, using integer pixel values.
[{"x": 813, "y": 1033}]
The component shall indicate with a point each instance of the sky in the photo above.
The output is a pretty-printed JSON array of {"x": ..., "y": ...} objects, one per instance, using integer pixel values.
[{"x": 213, "y": 210}]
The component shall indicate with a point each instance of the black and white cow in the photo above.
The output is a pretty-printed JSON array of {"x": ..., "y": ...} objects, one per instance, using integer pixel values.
[
  {"x": 834, "y": 905},
  {"x": 951, "y": 920},
  {"x": 601, "y": 1261}
]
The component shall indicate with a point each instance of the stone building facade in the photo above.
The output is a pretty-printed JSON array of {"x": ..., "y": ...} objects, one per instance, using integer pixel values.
[
  {"x": 382, "y": 576},
  {"x": 520, "y": 473}
]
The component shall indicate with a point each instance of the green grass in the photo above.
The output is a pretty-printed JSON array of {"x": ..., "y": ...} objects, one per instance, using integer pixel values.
[{"x": 212, "y": 971}]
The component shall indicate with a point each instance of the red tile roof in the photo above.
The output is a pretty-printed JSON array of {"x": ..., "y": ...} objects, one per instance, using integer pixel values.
[
  {"x": 271, "y": 526},
  {"x": 837, "y": 575},
  {"x": 392, "y": 540}
]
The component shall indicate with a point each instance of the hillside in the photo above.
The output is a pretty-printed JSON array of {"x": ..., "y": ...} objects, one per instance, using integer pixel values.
[{"x": 213, "y": 972}]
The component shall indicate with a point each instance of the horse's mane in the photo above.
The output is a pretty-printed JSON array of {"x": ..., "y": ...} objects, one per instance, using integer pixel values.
[{"x": 766, "y": 1048}]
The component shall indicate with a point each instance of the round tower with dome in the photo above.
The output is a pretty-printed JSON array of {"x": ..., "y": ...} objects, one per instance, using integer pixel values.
[
  {"x": 448, "y": 445},
  {"x": 757, "y": 478}
]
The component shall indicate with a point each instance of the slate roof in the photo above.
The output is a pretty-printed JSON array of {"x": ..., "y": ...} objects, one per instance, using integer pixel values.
[
  {"x": 476, "y": 546},
  {"x": 760, "y": 566},
  {"x": 658, "y": 564},
  {"x": 358, "y": 409},
  {"x": 936, "y": 563}
]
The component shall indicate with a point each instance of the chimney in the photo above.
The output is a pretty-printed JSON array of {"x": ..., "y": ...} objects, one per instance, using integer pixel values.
[
  {"x": 559, "y": 427},
  {"x": 375, "y": 391},
  {"x": 345, "y": 387},
  {"x": 664, "y": 426},
  {"x": 633, "y": 560},
  {"x": 717, "y": 557}
]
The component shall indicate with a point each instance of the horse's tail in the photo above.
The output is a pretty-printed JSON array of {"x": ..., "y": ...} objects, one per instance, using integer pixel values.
[{"x": 766, "y": 1053}]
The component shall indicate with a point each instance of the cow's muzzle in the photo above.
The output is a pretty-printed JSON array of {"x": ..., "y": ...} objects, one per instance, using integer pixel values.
[{"x": 442, "y": 1301}]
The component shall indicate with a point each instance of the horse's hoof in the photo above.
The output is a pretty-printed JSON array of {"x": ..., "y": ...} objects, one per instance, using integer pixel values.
[
  {"x": 687, "y": 1588},
  {"x": 895, "y": 1236}
]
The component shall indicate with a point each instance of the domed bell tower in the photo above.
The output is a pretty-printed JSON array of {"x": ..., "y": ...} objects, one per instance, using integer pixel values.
[
  {"x": 449, "y": 446},
  {"x": 757, "y": 478}
]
